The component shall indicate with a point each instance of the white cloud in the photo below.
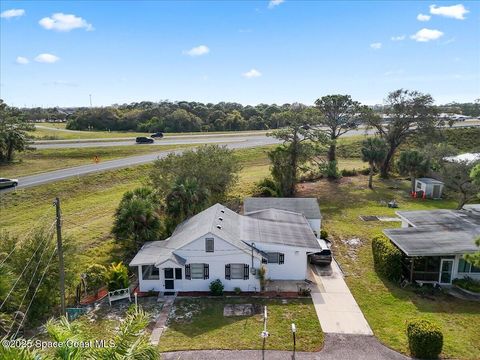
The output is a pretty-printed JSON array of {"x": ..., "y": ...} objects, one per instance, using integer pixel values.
[
  {"x": 423, "y": 17},
  {"x": 253, "y": 73},
  {"x": 197, "y": 51},
  {"x": 273, "y": 3},
  {"x": 454, "y": 11},
  {"x": 398, "y": 38},
  {"x": 7, "y": 14},
  {"x": 46, "y": 58},
  {"x": 22, "y": 60},
  {"x": 64, "y": 22},
  {"x": 376, "y": 46},
  {"x": 425, "y": 35}
]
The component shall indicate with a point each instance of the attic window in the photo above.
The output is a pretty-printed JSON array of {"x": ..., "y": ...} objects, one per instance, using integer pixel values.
[
  {"x": 220, "y": 218},
  {"x": 219, "y": 226}
]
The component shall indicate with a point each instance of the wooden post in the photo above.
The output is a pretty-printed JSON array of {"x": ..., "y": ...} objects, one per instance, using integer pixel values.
[
  {"x": 411, "y": 269},
  {"x": 60, "y": 254}
]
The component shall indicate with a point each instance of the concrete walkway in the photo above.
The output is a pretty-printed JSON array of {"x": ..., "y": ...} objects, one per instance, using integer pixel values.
[
  {"x": 336, "y": 308},
  {"x": 162, "y": 320}
]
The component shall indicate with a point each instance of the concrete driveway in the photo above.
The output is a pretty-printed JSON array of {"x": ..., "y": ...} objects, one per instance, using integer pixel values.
[{"x": 336, "y": 308}]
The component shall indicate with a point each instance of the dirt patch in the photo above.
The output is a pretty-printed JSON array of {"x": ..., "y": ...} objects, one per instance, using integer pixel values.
[{"x": 241, "y": 309}]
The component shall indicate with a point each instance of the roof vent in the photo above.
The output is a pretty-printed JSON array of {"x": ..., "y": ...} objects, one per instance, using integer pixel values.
[
  {"x": 219, "y": 226},
  {"x": 220, "y": 218},
  {"x": 222, "y": 211}
]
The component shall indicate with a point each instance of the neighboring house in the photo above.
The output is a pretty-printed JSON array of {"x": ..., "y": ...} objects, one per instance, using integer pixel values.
[
  {"x": 435, "y": 241},
  {"x": 221, "y": 244},
  {"x": 432, "y": 188},
  {"x": 308, "y": 207}
]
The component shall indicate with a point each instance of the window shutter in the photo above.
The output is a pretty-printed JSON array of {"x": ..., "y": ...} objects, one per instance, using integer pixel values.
[
  {"x": 246, "y": 272},
  {"x": 227, "y": 271},
  {"x": 205, "y": 271},
  {"x": 281, "y": 258},
  {"x": 264, "y": 261},
  {"x": 187, "y": 272}
]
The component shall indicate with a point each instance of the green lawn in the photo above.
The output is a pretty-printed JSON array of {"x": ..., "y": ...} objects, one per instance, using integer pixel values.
[
  {"x": 54, "y": 134},
  {"x": 386, "y": 306},
  {"x": 207, "y": 328},
  {"x": 38, "y": 161}
]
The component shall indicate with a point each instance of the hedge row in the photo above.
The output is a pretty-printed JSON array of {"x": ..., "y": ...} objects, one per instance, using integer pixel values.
[
  {"x": 425, "y": 339},
  {"x": 387, "y": 258}
]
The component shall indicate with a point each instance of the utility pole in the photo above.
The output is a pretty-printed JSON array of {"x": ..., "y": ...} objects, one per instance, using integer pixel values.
[{"x": 56, "y": 203}]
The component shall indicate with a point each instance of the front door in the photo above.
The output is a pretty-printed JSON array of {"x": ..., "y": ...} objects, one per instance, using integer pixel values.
[
  {"x": 446, "y": 267},
  {"x": 169, "y": 282}
]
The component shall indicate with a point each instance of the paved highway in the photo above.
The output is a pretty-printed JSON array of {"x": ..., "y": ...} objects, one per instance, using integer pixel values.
[{"x": 52, "y": 176}]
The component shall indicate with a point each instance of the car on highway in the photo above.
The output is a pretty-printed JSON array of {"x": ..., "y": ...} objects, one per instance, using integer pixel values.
[
  {"x": 5, "y": 183},
  {"x": 144, "y": 140},
  {"x": 323, "y": 257},
  {"x": 157, "y": 135}
]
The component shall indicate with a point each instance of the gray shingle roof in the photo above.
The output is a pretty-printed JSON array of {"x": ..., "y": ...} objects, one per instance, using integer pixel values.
[
  {"x": 279, "y": 227},
  {"x": 306, "y": 206},
  {"x": 430, "y": 181},
  {"x": 437, "y": 232}
]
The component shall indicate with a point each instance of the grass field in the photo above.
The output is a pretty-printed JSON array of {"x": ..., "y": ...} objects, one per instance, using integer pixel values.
[
  {"x": 386, "y": 306},
  {"x": 38, "y": 161},
  {"x": 55, "y": 133},
  {"x": 209, "y": 329}
]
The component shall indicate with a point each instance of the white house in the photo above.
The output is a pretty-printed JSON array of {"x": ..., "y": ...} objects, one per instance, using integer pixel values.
[
  {"x": 221, "y": 244},
  {"x": 435, "y": 241},
  {"x": 308, "y": 207}
]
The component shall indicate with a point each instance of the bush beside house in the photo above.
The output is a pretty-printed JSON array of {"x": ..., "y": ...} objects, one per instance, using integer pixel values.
[
  {"x": 216, "y": 287},
  {"x": 387, "y": 258},
  {"x": 425, "y": 339},
  {"x": 95, "y": 278},
  {"x": 117, "y": 277}
]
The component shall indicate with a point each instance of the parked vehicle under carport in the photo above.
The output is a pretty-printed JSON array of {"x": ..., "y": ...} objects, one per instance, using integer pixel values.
[{"x": 323, "y": 257}]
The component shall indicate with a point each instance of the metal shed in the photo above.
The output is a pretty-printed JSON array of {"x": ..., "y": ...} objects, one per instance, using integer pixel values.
[{"x": 432, "y": 188}]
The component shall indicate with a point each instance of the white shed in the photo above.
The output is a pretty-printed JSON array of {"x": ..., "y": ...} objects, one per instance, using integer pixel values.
[{"x": 432, "y": 188}]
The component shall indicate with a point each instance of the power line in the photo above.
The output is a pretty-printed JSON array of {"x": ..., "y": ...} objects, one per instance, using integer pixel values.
[
  {"x": 23, "y": 271},
  {"x": 23, "y": 239},
  {"x": 36, "y": 290},
  {"x": 25, "y": 294}
]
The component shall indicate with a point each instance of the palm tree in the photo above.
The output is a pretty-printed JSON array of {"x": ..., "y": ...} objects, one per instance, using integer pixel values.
[
  {"x": 137, "y": 218},
  {"x": 413, "y": 164},
  {"x": 185, "y": 199},
  {"x": 373, "y": 152}
]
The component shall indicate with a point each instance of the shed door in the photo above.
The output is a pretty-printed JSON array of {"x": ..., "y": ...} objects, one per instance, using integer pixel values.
[{"x": 436, "y": 191}]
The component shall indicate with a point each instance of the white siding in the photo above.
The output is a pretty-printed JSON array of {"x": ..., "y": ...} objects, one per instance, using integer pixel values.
[
  {"x": 316, "y": 225},
  {"x": 456, "y": 274},
  {"x": 294, "y": 266}
]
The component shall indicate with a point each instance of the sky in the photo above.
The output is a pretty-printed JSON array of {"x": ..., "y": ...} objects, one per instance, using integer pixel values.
[{"x": 58, "y": 53}]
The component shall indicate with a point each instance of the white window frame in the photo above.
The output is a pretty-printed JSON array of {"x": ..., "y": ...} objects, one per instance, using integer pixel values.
[
  {"x": 207, "y": 241},
  {"x": 199, "y": 265},
  {"x": 147, "y": 272},
  {"x": 271, "y": 254},
  {"x": 241, "y": 271}
]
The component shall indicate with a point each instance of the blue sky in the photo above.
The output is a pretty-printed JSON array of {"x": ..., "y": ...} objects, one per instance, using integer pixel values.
[{"x": 57, "y": 53}]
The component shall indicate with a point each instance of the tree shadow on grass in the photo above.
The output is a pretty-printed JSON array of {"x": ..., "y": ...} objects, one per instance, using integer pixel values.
[{"x": 431, "y": 302}]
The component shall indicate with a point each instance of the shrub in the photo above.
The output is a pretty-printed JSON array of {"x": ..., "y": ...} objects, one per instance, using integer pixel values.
[
  {"x": 364, "y": 171},
  {"x": 425, "y": 339},
  {"x": 237, "y": 290},
  {"x": 117, "y": 276},
  {"x": 330, "y": 170},
  {"x": 468, "y": 283},
  {"x": 387, "y": 258},
  {"x": 323, "y": 234},
  {"x": 304, "y": 291},
  {"x": 95, "y": 277},
  {"x": 267, "y": 188},
  {"x": 348, "y": 172},
  {"x": 216, "y": 287}
]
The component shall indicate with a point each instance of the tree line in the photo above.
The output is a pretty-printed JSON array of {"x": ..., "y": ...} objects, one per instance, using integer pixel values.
[{"x": 184, "y": 116}]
